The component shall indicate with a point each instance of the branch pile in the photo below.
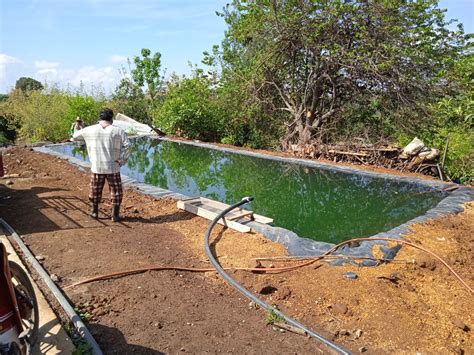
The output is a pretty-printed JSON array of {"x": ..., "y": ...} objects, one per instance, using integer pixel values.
[{"x": 415, "y": 157}]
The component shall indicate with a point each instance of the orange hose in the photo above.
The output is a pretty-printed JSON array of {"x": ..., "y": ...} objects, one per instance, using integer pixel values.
[{"x": 271, "y": 270}]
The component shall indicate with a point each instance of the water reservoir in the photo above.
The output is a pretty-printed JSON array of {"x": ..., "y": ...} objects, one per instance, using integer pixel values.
[{"x": 320, "y": 204}]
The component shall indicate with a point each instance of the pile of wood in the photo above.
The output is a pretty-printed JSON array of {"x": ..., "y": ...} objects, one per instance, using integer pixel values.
[{"x": 383, "y": 155}]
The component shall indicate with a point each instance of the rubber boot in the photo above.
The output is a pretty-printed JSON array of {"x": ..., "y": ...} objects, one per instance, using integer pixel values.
[
  {"x": 115, "y": 213},
  {"x": 94, "y": 211}
]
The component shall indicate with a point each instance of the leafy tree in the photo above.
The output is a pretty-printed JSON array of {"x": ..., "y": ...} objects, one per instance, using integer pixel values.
[
  {"x": 143, "y": 92},
  {"x": 129, "y": 99},
  {"x": 147, "y": 74},
  {"x": 454, "y": 115},
  {"x": 83, "y": 105},
  {"x": 321, "y": 61},
  {"x": 28, "y": 84},
  {"x": 191, "y": 108}
]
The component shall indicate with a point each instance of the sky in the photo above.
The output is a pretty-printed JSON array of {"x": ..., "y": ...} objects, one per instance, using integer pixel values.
[{"x": 70, "y": 42}]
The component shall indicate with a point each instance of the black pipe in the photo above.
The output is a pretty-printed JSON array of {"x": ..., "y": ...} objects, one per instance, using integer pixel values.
[{"x": 249, "y": 294}]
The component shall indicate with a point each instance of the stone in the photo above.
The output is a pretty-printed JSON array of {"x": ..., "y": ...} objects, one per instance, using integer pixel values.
[
  {"x": 350, "y": 275},
  {"x": 55, "y": 278},
  {"x": 283, "y": 293},
  {"x": 358, "y": 333},
  {"x": 8, "y": 182},
  {"x": 362, "y": 349},
  {"x": 40, "y": 258},
  {"x": 340, "y": 308},
  {"x": 343, "y": 332},
  {"x": 461, "y": 325}
]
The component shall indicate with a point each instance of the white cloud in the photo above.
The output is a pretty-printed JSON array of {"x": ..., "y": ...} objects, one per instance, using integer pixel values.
[
  {"x": 97, "y": 76},
  {"x": 43, "y": 64},
  {"x": 117, "y": 58},
  {"x": 6, "y": 61},
  {"x": 47, "y": 71}
]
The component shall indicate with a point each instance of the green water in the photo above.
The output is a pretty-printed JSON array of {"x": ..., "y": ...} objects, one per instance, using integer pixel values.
[{"x": 314, "y": 203}]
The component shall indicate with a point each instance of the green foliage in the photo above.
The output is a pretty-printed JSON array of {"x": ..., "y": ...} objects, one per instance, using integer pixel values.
[
  {"x": 190, "y": 108},
  {"x": 85, "y": 106},
  {"x": 454, "y": 114},
  {"x": 273, "y": 317},
  {"x": 80, "y": 344},
  {"x": 459, "y": 164},
  {"x": 147, "y": 72},
  {"x": 141, "y": 92},
  {"x": 7, "y": 133},
  {"x": 129, "y": 99},
  {"x": 331, "y": 58},
  {"x": 28, "y": 84},
  {"x": 47, "y": 114},
  {"x": 40, "y": 115}
]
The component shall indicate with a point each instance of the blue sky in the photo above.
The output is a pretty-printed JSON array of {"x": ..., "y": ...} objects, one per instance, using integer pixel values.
[{"x": 69, "y": 41}]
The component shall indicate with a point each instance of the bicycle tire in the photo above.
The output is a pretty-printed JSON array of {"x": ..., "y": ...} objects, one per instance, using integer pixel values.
[{"x": 24, "y": 285}]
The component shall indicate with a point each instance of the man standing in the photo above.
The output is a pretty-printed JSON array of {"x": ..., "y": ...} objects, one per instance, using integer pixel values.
[{"x": 108, "y": 148}]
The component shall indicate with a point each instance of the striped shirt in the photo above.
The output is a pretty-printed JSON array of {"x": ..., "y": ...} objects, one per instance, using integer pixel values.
[{"x": 108, "y": 147}]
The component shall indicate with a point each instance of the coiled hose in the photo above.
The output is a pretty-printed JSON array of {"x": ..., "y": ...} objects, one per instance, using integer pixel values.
[{"x": 249, "y": 294}]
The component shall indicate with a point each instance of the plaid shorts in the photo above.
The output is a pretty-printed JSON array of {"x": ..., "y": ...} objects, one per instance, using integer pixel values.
[{"x": 97, "y": 185}]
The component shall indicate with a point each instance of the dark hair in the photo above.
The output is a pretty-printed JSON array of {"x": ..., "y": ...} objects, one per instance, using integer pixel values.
[{"x": 106, "y": 114}]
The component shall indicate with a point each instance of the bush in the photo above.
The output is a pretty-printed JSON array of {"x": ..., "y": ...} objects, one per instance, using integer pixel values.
[
  {"x": 190, "y": 108},
  {"x": 85, "y": 106},
  {"x": 459, "y": 161},
  {"x": 40, "y": 115}
]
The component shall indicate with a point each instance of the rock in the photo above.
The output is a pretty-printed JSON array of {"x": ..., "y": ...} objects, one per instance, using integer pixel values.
[
  {"x": 135, "y": 210},
  {"x": 427, "y": 264},
  {"x": 283, "y": 293},
  {"x": 358, "y": 333},
  {"x": 97, "y": 312},
  {"x": 343, "y": 332},
  {"x": 55, "y": 278},
  {"x": 8, "y": 182},
  {"x": 340, "y": 308},
  {"x": 350, "y": 275},
  {"x": 362, "y": 349},
  {"x": 458, "y": 323},
  {"x": 40, "y": 257}
]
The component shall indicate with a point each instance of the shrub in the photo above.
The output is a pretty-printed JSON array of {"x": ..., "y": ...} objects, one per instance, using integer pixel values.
[
  {"x": 190, "y": 108},
  {"x": 40, "y": 115}
]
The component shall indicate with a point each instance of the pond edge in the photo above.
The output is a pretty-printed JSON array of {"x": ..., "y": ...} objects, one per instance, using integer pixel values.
[{"x": 296, "y": 245}]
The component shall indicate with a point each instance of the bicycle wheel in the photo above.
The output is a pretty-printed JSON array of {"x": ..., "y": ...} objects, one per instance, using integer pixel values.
[{"x": 26, "y": 299}]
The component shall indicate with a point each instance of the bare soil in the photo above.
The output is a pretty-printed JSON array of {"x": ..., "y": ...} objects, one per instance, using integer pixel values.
[{"x": 413, "y": 305}]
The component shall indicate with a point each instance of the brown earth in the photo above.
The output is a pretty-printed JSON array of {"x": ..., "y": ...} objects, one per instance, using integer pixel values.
[{"x": 412, "y": 305}]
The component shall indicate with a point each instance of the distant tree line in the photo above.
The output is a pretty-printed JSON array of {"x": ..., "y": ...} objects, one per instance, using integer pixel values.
[{"x": 292, "y": 73}]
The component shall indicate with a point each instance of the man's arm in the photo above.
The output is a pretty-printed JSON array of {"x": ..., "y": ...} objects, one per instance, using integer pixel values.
[
  {"x": 126, "y": 149},
  {"x": 78, "y": 136}
]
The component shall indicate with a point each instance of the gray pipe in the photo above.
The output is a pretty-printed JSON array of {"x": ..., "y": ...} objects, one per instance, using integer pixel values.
[
  {"x": 250, "y": 295},
  {"x": 75, "y": 319}
]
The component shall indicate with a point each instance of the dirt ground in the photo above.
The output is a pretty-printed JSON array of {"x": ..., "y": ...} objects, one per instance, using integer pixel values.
[{"x": 412, "y": 305}]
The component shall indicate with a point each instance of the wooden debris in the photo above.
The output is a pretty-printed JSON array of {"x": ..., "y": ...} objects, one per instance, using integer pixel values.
[
  {"x": 209, "y": 209},
  {"x": 290, "y": 328}
]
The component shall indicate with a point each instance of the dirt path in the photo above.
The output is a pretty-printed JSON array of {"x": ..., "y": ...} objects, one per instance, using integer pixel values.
[{"x": 396, "y": 307}]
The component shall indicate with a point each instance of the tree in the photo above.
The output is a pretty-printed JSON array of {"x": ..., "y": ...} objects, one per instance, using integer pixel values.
[
  {"x": 191, "y": 108},
  {"x": 142, "y": 92},
  {"x": 321, "y": 61},
  {"x": 28, "y": 84}
]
